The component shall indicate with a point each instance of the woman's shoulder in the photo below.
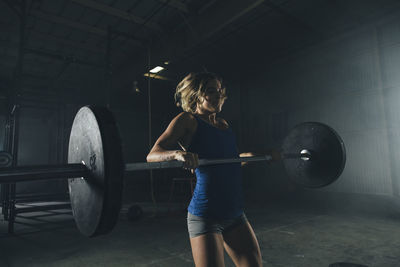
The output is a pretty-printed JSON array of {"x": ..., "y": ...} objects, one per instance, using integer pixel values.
[
  {"x": 185, "y": 116},
  {"x": 186, "y": 119},
  {"x": 223, "y": 123}
]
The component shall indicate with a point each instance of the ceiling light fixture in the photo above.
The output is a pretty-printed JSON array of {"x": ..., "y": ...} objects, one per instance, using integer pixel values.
[{"x": 156, "y": 69}]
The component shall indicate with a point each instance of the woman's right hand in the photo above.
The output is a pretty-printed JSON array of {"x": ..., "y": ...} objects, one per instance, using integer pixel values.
[{"x": 190, "y": 160}]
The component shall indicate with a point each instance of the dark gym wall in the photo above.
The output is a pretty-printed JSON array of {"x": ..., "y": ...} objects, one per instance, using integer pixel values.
[
  {"x": 2, "y": 125},
  {"x": 350, "y": 82},
  {"x": 39, "y": 144},
  {"x": 2, "y": 122},
  {"x": 2, "y": 113}
]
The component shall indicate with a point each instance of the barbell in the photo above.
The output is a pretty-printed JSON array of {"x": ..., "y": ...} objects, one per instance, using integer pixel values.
[{"x": 313, "y": 155}]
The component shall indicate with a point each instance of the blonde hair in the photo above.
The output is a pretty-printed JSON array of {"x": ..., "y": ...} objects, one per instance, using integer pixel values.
[{"x": 192, "y": 87}]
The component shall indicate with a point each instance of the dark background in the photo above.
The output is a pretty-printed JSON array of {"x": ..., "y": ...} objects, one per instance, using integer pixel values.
[{"x": 283, "y": 62}]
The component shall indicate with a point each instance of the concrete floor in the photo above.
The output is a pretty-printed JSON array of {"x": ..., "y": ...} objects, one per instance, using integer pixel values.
[{"x": 289, "y": 235}]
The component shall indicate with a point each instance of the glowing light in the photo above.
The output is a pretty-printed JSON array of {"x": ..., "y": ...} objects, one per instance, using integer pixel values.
[{"x": 156, "y": 69}]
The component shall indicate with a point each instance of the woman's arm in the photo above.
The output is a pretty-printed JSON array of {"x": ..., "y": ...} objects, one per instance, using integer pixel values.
[{"x": 163, "y": 149}]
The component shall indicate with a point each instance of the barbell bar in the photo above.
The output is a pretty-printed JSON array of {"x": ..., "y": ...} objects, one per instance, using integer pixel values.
[
  {"x": 49, "y": 172},
  {"x": 204, "y": 162},
  {"x": 95, "y": 165}
]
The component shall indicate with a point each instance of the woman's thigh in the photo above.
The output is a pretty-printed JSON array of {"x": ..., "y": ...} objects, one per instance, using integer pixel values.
[
  {"x": 208, "y": 250},
  {"x": 242, "y": 246}
]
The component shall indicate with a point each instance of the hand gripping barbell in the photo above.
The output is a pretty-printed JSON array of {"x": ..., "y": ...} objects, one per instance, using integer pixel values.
[{"x": 314, "y": 156}]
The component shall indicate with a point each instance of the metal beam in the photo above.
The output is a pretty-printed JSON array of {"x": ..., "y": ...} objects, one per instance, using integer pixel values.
[
  {"x": 292, "y": 18},
  {"x": 118, "y": 13},
  {"x": 12, "y": 6},
  {"x": 235, "y": 12},
  {"x": 67, "y": 22},
  {"x": 50, "y": 38},
  {"x": 53, "y": 55},
  {"x": 123, "y": 34},
  {"x": 74, "y": 24},
  {"x": 176, "y": 4},
  {"x": 29, "y": 64},
  {"x": 206, "y": 6},
  {"x": 218, "y": 18},
  {"x": 21, "y": 44},
  {"x": 70, "y": 43}
]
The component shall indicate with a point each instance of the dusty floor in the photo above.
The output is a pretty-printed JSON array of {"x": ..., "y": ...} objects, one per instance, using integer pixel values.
[{"x": 289, "y": 235}]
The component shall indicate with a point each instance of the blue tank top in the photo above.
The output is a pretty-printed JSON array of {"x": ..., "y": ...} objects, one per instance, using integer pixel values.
[{"x": 218, "y": 192}]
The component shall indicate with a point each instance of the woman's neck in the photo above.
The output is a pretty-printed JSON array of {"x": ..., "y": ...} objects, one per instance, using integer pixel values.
[{"x": 210, "y": 117}]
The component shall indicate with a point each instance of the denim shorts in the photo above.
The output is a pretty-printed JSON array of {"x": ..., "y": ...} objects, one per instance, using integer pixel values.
[{"x": 199, "y": 226}]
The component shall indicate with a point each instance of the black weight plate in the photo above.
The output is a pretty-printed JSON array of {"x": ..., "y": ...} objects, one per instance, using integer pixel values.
[
  {"x": 96, "y": 200},
  {"x": 328, "y": 154}
]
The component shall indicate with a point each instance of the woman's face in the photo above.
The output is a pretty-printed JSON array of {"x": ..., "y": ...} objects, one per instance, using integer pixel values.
[{"x": 213, "y": 99}]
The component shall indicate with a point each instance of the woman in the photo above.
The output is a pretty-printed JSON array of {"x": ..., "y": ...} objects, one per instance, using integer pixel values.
[{"x": 215, "y": 214}]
